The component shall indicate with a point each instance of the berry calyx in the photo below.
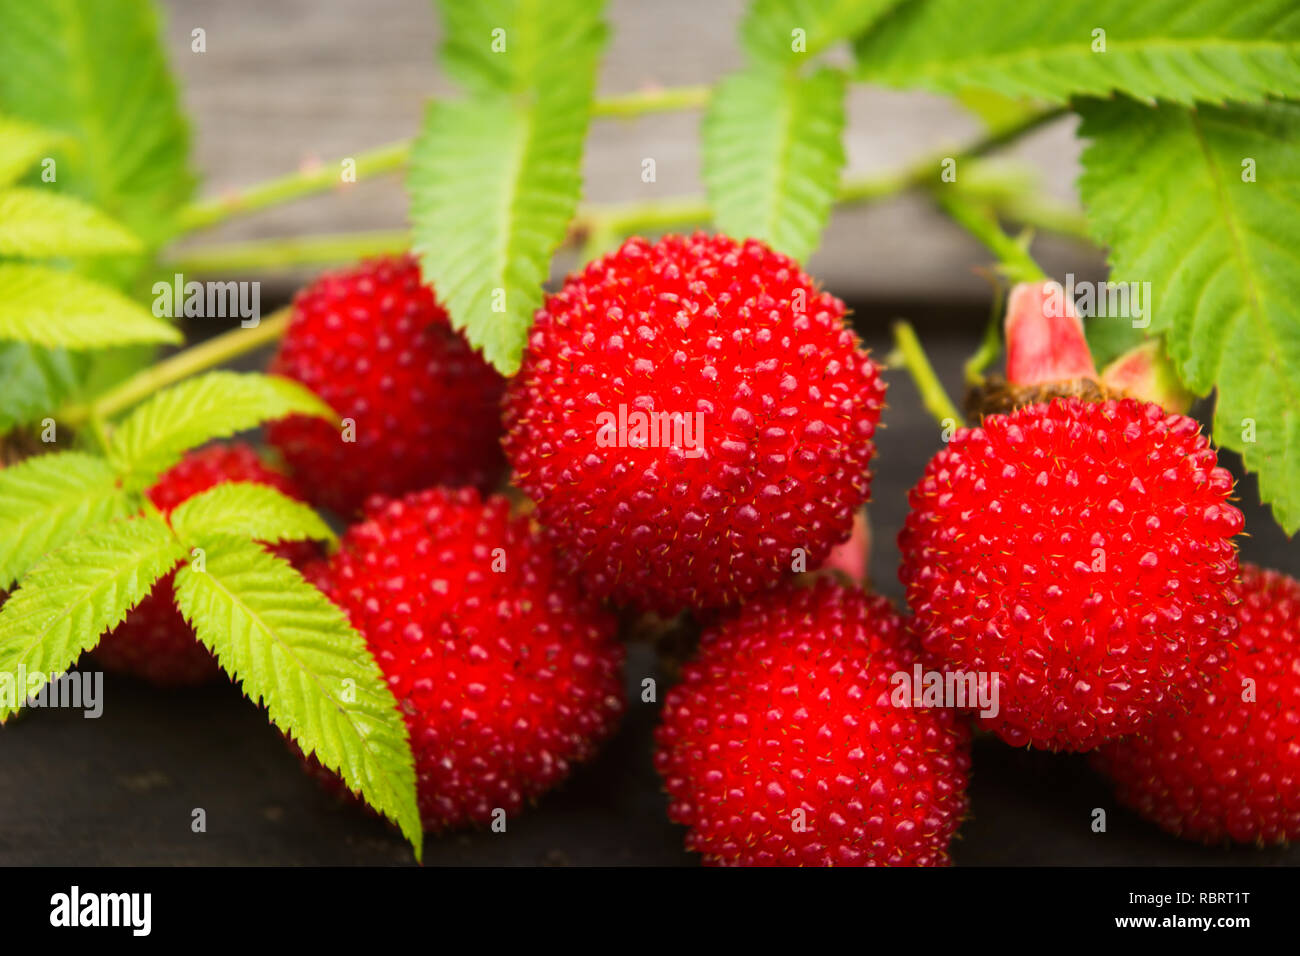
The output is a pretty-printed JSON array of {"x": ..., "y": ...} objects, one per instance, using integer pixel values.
[
  {"x": 420, "y": 407},
  {"x": 507, "y": 676},
  {"x": 782, "y": 744},
  {"x": 694, "y": 420},
  {"x": 1044, "y": 336}
]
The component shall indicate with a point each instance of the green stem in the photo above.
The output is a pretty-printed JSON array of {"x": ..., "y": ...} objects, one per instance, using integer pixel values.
[
  {"x": 980, "y": 221},
  {"x": 215, "y": 351},
  {"x": 326, "y": 176},
  {"x": 990, "y": 346},
  {"x": 386, "y": 159},
  {"x": 99, "y": 430},
  {"x": 913, "y": 358},
  {"x": 652, "y": 101},
  {"x": 265, "y": 255}
]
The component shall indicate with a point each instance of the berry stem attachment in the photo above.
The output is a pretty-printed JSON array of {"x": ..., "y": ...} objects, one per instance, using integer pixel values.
[
  {"x": 215, "y": 351},
  {"x": 909, "y": 353}
]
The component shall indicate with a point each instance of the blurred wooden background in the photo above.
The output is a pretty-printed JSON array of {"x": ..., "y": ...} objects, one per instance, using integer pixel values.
[{"x": 288, "y": 82}]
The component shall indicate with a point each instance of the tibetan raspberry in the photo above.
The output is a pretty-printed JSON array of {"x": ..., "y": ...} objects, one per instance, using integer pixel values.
[
  {"x": 694, "y": 421},
  {"x": 155, "y": 642},
  {"x": 420, "y": 407},
  {"x": 1229, "y": 770},
  {"x": 785, "y": 743},
  {"x": 507, "y": 676},
  {"x": 1082, "y": 552}
]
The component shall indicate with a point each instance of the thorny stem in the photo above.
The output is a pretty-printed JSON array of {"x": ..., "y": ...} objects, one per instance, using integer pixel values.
[
  {"x": 198, "y": 358},
  {"x": 908, "y": 353}
]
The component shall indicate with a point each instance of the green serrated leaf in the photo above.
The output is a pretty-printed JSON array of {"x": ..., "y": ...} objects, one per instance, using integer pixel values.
[
  {"x": 77, "y": 593},
  {"x": 772, "y": 155},
  {"x": 21, "y": 146},
  {"x": 36, "y": 381},
  {"x": 259, "y": 512},
  {"x": 1204, "y": 204},
  {"x": 1180, "y": 50},
  {"x": 294, "y": 651},
  {"x": 95, "y": 71},
  {"x": 39, "y": 224},
  {"x": 49, "y": 307},
  {"x": 502, "y": 171},
  {"x": 516, "y": 46},
  {"x": 47, "y": 501},
  {"x": 157, "y": 433},
  {"x": 785, "y": 32}
]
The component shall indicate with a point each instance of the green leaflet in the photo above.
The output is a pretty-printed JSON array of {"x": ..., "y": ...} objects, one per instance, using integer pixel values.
[
  {"x": 769, "y": 29},
  {"x": 294, "y": 651},
  {"x": 47, "y": 501},
  {"x": 155, "y": 435},
  {"x": 1166, "y": 190},
  {"x": 772, "y": 155},
  {"x": 53, "y": 308},
  {"x": 77, "y": 593},
  {"x": 38, "y": 224},
  {"x": 1179, "y": 50},
  {"x": 21, "y": 146},
  {"x": 94, "y": 71},
  {"x": 259, "y": 512},
  {"x": 36, "y": 381},
  {"x": 501, "y": 171}
]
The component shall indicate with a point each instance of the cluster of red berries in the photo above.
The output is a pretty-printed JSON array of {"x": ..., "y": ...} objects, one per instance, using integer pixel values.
[{"x": 693, "y": 422}]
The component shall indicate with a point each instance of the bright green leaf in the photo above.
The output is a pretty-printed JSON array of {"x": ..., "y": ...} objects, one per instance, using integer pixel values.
[
  {"x": 21, "y": 146},
  {"x": 47, "y": 501},
  {"x": 1181, "y": 50},
  {"x": 157, "y": 433},
  {"x": 36, "y": 381},
  {"x": 294, "y": 651},
  {"x": 1205, "y": 206},
  {"x": 257, "y": 511},
  {"x": 786, "y": 32},
  {"x": 95, "y": 71},
  {"x": 49, "y": 307},
  {"x": 40, "y": 224},
  {"x": 772, "y": 155},
  {"x": 501, "y": 172},
  {"x": 520, "y": 46},
  {"x": 77, "y": 593}
]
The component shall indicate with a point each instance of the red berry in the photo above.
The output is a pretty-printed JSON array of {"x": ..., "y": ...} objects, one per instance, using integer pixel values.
[
  {"x": 1230, "y": 770},
  {"x": 738, "y": 344},
  {"x": 782, "y": 746},
  {"x": 155, "y": 642},
  {"x": 377, "y": 347},
  {"x": 506, "y": 674},
  {"x": 1082, "y": 551}
]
